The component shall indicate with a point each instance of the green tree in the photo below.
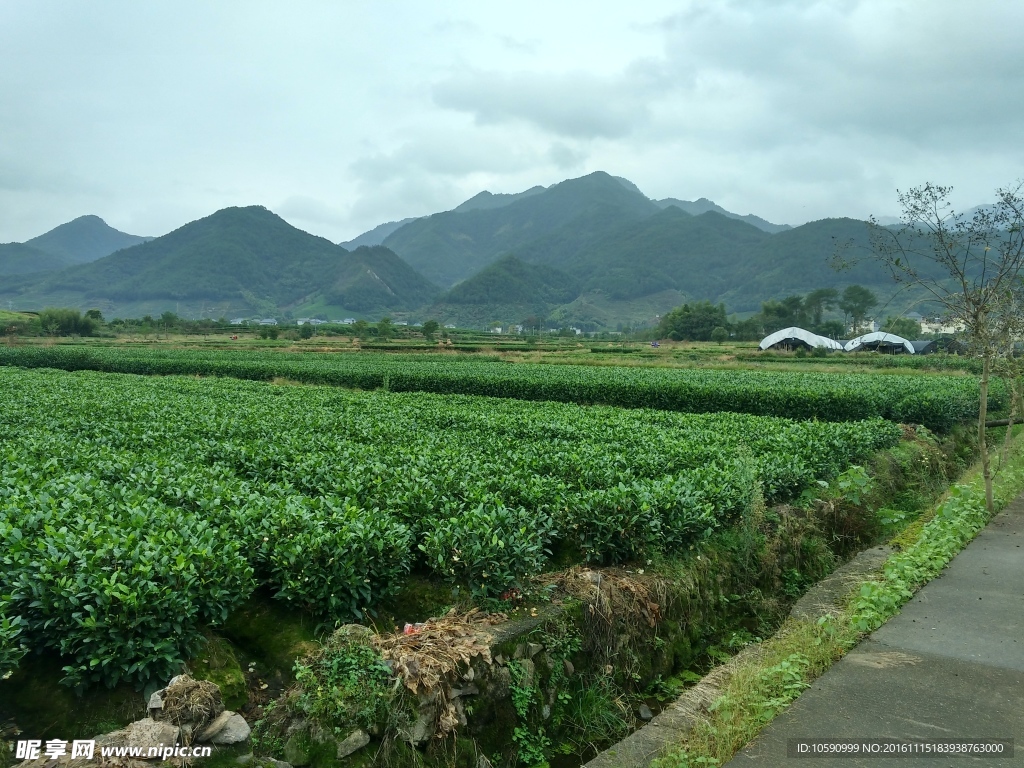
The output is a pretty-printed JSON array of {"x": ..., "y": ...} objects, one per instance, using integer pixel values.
[
  {"x": 95, "y": 314},
  {"x": 831, "y": 329},
  {"x": 306, "y": 331},
  {"x": 719, "y": 334},
  {"x": 902, "y": 326},
  {"x": 817, "y": 301},
  {"x": 693, "y": 322},
  {"x": 65, "y": 322},
  {"x": 430, "y": 328},
  {"x": 385, "y": 328},
  {"x": 360, "y": 329},
  {"x": 783, "y": 314},
  {"x": 855, "y": 303}
]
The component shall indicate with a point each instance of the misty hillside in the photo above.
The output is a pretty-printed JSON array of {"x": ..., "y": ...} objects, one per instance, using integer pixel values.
[
  {"x": 452, "y": 246},
  {"x": 703, "y": 205},
  {"x": 84, "y": 239},
  {"x": 592, "y": 250},
  {"x": 488, "y": 200},
  {"x": 21, "y": 259},
  {"x": 669, "y": 250},
  {"x": 508, "y": 288},
  {"x": 242, "y": 260},
  {"x": 376, "y": 235},
  {"x": 370, "y": 279}
]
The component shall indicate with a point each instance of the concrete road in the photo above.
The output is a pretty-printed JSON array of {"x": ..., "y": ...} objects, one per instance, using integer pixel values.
[{"x": 950, "y": 665}]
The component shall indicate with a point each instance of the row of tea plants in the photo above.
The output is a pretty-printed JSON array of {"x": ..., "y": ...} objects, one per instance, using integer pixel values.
[{"x": 136, "y": 510}]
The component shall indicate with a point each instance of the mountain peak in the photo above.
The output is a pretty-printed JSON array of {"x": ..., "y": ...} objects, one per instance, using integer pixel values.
[
  {"x": 703, "y": 205},
  {"x": 84, "y": 239}
]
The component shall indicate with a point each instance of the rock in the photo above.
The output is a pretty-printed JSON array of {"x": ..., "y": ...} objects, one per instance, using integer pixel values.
[
  {"x": 296, "y": 725},
  {"x": 355, "y": 741},
  {"x": 645, "y": 713},
  {"x": 215, "y": 726},
  {"x": 532, "y": 649},
  {"x": 113, "y": 739},
  {"x": 483, "y": 762},
  {"x": 499, "y": 660},
  {"x": 520, "y": 651},
  {"x": 272, "y": 763},
  {"x": 469, "y": 690},
  {"x": 529, "y": 670},
  {"x": 244, "y": 759},
  {"x": 235, "y": 731},
  {"x": 569, "y": 668},
  {"x": 156, "y": 701},
  {"x": 500, "y": 684},
  {"x": 352, "y": 632},
  {"x": 469, "y": 676},
  {"x": 545, "y": 711},
  {"x": 148, "y": 733},
  {"x": 420, "y": 731},
  {"x": 295, "y": 750}
]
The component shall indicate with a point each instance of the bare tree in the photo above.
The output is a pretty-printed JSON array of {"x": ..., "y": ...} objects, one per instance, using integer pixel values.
[
  {"x": 970, "y": 265},
  {"x": 1009, "y": 363}
]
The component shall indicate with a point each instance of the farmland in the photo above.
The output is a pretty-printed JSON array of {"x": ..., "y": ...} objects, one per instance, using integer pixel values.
[
  {"x": 134, "y": 510},
  {"x": 935, "y": 401}
]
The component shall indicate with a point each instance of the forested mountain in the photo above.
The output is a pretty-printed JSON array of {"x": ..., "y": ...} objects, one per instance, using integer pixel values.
[
  {"x": 85, "y": 239},
  {"x": 452, "y": 246},
  {"x": 703, "y": 205},
  {"x": 376, "y": 235},
  {"x": 507, "y": 291},
  {"x": 21, "y": 259},
  {"x": 488, "y": 200},
  {"x": 372, "y": 279},
  {"x": 591, "y": 251},
  {"x": 238, "y": 260},
  {"x": 668, "y": 250}
]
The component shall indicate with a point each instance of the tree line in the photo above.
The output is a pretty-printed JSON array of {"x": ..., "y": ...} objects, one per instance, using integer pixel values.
[{"x": 704, "y": 321}]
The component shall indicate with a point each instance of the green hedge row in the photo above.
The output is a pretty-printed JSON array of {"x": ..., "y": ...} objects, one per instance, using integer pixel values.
[
  {"x": 136, "y": 510},
  {"x": 937, "y": 402}
]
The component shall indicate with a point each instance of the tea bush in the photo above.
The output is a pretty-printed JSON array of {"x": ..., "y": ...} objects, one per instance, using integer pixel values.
[
  {"x": 135, "y": 510},
  {"x": 936, "y": 401}
]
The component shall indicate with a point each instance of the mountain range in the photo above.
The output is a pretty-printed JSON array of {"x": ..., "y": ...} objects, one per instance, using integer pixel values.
[{"x": 592, "y": 251}]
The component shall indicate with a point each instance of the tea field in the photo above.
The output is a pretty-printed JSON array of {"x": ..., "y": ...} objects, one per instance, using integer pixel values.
[
  {"x": 136, "y": 510},
  {"x": 936, "y": 401}
]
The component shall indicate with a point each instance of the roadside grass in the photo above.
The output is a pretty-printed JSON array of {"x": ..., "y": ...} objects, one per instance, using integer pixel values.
[{"x": 773, "y": 676}]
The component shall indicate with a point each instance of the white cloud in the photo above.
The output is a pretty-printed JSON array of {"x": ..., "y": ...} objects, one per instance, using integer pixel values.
[{"x": 346, "y": 115}]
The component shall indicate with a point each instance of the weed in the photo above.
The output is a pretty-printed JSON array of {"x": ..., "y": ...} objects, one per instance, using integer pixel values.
[{"x": 346, "y": 683}]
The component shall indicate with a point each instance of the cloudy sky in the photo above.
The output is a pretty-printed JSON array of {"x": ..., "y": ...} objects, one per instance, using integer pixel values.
[{"x": 340, "y": 115}]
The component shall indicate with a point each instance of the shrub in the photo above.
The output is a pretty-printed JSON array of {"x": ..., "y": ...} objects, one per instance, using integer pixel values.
[
  {"x": 11, "y": 649},
  {"x": 327, "y": 554},
  {"x": 117, "y": 582},
  {"x": 490, "y": 546}
]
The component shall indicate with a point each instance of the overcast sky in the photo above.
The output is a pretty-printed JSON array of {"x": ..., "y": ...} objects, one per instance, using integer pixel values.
[{"x": 342, "y": 115}]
